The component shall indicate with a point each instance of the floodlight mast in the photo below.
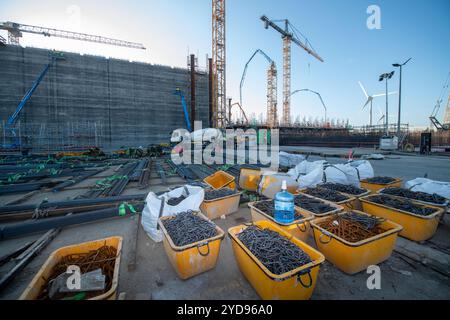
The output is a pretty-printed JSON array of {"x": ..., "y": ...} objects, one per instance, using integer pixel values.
[{"x": 386, "y": 77}]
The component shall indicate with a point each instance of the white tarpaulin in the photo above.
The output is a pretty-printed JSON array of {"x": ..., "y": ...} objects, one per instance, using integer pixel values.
[
  {"x": 289, "y": 159},
  {"x": 429, "y": 186},
  {"x": 310, "y": 174}
]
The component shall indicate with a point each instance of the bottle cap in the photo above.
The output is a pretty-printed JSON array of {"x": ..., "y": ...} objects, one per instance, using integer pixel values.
[{"x": 284, "y": 185}]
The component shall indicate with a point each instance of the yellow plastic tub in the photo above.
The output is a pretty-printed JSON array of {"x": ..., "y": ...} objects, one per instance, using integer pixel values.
[
  {"x": 36, "y": 285},
  {"x": 216, "y": 208},
  {"x": 374, "y": 187},
  {"x": 354, "y": 257},
  {"x": 220, "y": 179},
  {"x": 439, "y": 205},
  {"x": 348, "y": 205},
  {"x": 195, "y": 258},
  {"x": 299, "y": 228},
  {"x": 297, "y": 284},
  {"x": 267, "y": 182},
  {"x": 249, "y": 179},
  {"x": 336, "y": 207},
  {"x": 415, "y": 227}
]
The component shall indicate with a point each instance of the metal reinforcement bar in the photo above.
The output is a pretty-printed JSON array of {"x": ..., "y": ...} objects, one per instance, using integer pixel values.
[
  {"x": 136, "y": 174},
  {"x": 113, "y": 187},
  {"x": 69, "y": 203},
  {"x": 33, "y": 226},
  {"x": 23, "y": 177},
  {"x": 27, "y": 256},
  {"x": 25, "y": 187},
  {"x": 144, "y": 178},
  {"x": 75, "y": 180}
]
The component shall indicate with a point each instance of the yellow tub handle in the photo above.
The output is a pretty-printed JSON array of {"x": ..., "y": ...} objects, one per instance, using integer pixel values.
[
  {"x": 201, "y": 245},
  {"x": 299, "y": 277},
  {"x": 304, "y": 226},
  {"x": 325, "y": 242}
]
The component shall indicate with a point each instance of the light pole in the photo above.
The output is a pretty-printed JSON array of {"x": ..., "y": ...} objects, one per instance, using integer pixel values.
[
  {"x": 397, "y": 65},
  {"x": 386, "y": 76}
]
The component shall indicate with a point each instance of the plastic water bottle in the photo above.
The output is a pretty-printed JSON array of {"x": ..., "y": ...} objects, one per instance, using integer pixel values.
[{"x": 284, "y": 205}]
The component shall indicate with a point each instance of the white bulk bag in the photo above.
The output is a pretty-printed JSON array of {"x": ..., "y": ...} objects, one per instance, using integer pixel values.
[
  {"x": 156, "y": 206},
  {"x": 429, "y": 186}
]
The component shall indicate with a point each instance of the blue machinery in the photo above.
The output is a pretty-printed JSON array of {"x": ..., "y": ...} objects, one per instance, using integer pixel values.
[
  {"x": 180, "y": 93},
  {"x": 9, "y": 126}
]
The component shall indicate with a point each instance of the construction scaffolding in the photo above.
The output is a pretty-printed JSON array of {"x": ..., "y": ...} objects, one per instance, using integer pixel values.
[
  {"x": 219, "y": 103},
  {"x": 272, "y": 119},
  {"x": 286, "y": 120}
]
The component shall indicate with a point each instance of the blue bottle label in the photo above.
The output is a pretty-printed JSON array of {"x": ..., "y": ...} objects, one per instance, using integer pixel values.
[{"x": 284, "y": 211}]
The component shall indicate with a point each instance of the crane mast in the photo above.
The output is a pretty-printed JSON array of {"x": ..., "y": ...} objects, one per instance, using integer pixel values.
[
  {"x": 286, "y": 119},
  {"x": 219, "y": 103},
  {"x": 272, "y": 119},
  {"x": 288, "y": 37}
]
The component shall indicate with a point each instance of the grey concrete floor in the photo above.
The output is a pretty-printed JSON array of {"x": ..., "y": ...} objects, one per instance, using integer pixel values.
[{"x": 154, "y": 277}]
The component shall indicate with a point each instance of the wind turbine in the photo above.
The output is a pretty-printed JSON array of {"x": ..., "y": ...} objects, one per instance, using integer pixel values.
[
  {"x": 383, "y": 116},
  {"x": 370, "y": 99}
]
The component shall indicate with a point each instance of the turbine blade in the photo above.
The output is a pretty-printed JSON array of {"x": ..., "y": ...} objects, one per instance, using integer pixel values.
[
  {"x": 383, "y": 94},
  {"x": 364, "y": 90},
  {"x": 367, "y": 102}
]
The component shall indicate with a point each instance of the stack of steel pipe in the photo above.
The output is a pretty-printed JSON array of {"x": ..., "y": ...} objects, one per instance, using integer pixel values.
[{"x": 137, "y": 172}]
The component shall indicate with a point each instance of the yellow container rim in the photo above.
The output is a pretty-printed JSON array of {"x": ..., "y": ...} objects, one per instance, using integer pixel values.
[
  {"x": 286, "y": 275},
  {"x": 438, "y": 212},
  {"x": 397, "y": 180},
  {"x": 222, "y": 198},
  {"x": 350, "y": 198},
  {"x": 272, "y": 219},
  {"x": 444, "y": 205},
  {"x": 337, "y": 208},
  {"x": 220, "y": 234},
  {"x": 226, "y": 174},
  {"x": 395, "y": 228},
  {"x": 115, "y": 280},
  {"x": 243, "y": 167}
]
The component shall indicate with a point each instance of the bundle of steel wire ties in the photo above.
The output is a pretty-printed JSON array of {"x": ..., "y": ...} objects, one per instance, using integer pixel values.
[
  {"x": 187, "y": 227},
  {"x": 276, "y": 252},
  {"x": 352, "y": 227},
  {"x": 220, "y": 193}
]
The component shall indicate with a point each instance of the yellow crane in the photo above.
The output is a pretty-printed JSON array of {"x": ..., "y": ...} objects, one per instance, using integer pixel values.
[
  {"x": 288, "y": 34},
  {"x": 15, "y": 31},
  {"x": 219, "y": 103}
]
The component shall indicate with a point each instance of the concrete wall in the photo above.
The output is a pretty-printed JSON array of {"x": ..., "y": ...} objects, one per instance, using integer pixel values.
[{"x": 90, "y": 100}]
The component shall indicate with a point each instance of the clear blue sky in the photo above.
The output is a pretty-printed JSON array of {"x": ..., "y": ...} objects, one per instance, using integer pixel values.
[{"x": 337, "y": 29}]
